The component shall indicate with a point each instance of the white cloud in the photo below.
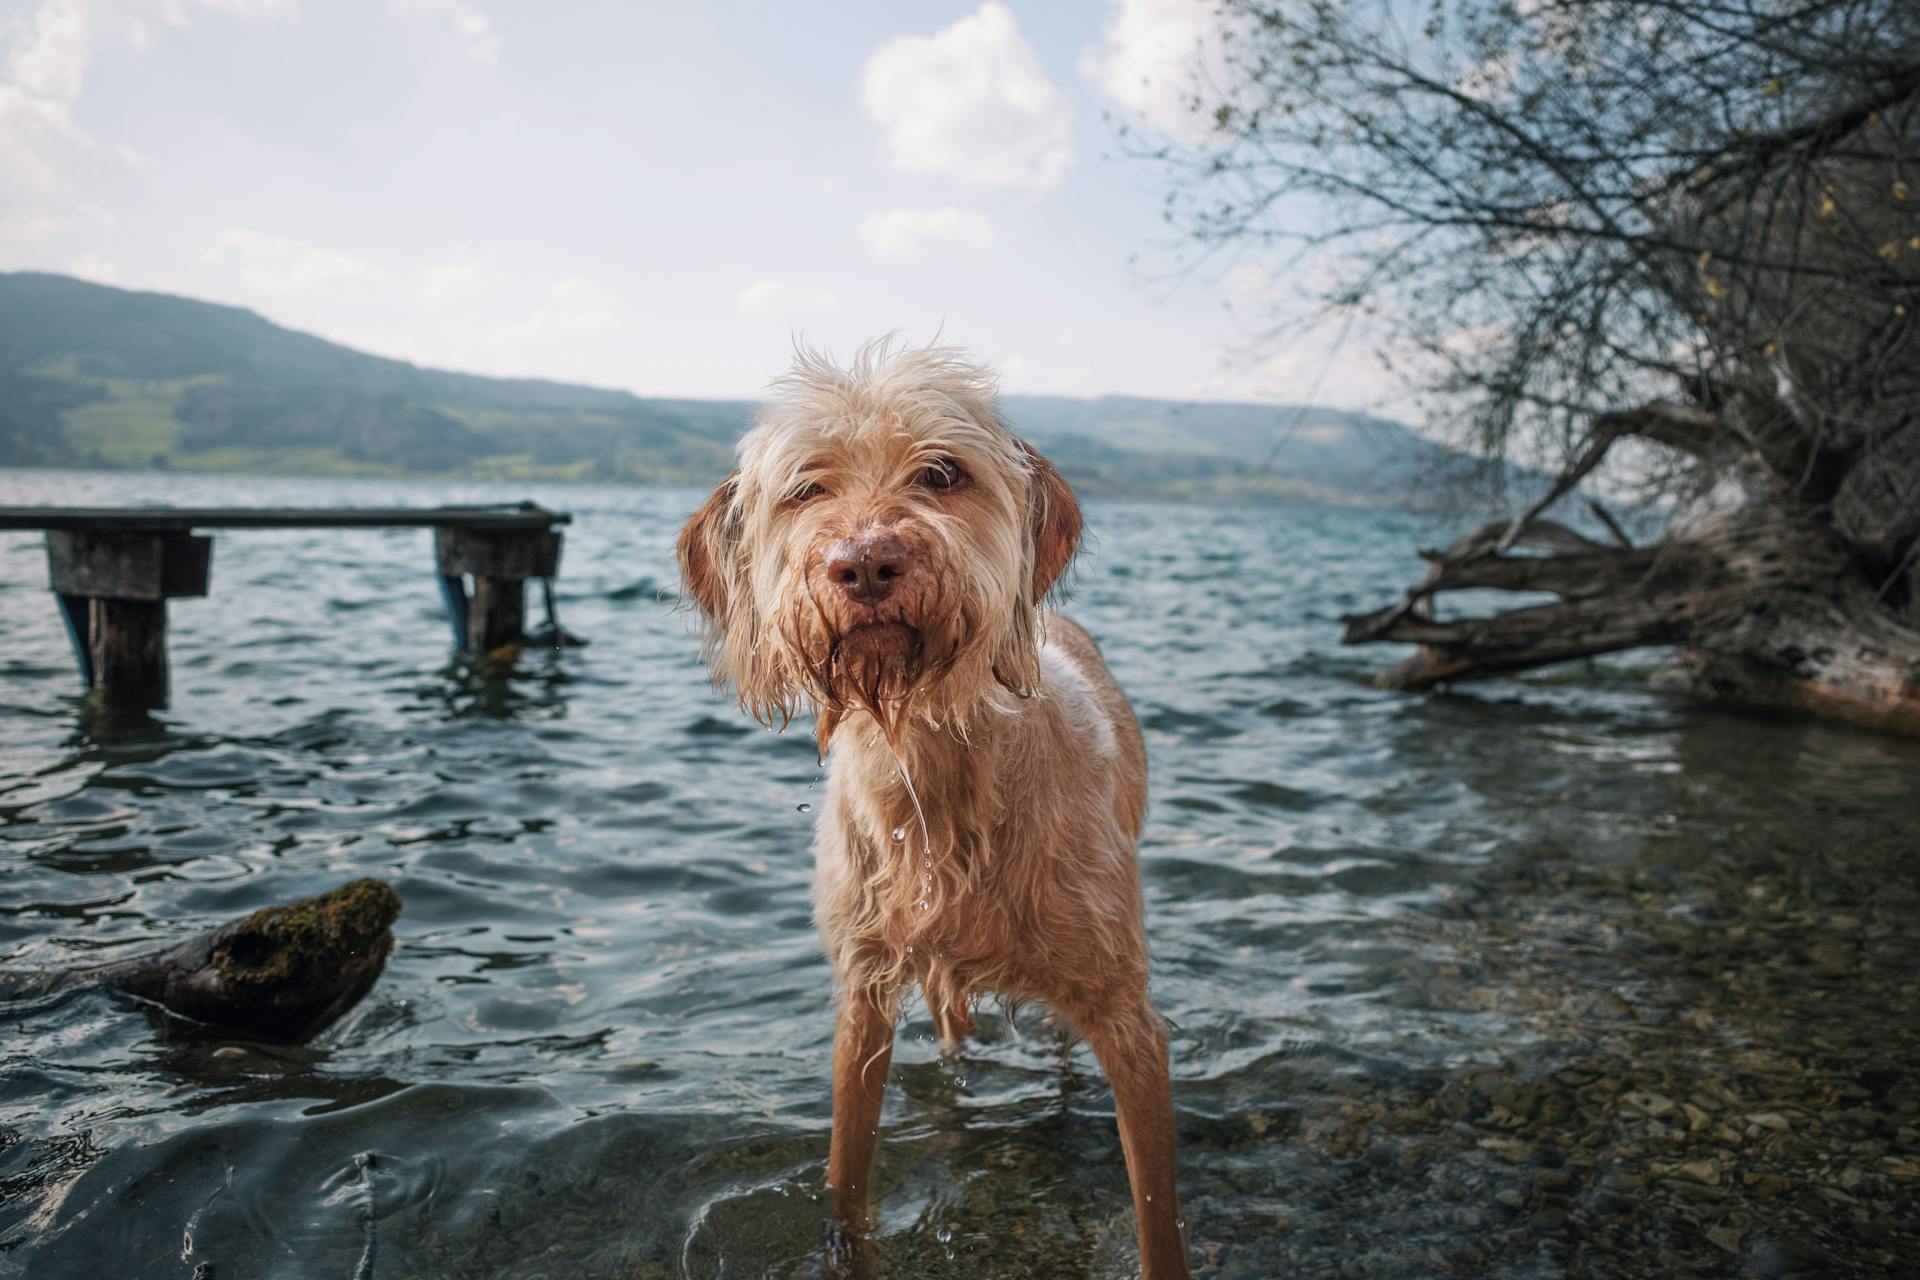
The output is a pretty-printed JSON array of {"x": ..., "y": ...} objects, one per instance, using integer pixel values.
[
  {"x": 49, "y": 48},
  {"x": 42, "y": 156},
  {"x": 250, "y": 9},
  {"x": 779, "y": 298},
  {"x": 48, "y": 51},
  {"x": 1156, "y": 57},
  {"x": 580, "y": 305},
  {"x": 46, "y": 158},
  {"x": 912, "y": 235},
  {"x": 971, "y": 103},
  {"x": 267, "y": 263},
  {"x": 469, "y": 25},
  {"x": 1326, "y": 367},
  {"x": 572, "y": 308},
  {"x": 1255, "y": 280},
  {"x": 96, "y": 267},
  {"x": 455, "y": 278},
  {"x": 1052, "y": 378}
]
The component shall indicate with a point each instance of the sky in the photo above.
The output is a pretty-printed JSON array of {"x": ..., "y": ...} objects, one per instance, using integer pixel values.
[{"x": 656, "y": 197}]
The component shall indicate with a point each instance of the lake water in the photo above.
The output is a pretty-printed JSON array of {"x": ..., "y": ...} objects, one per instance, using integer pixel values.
[{"x": 1548, "y": 977}]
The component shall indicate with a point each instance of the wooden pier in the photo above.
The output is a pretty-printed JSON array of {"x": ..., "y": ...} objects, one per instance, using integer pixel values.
[{"x": 114, "y": 569}]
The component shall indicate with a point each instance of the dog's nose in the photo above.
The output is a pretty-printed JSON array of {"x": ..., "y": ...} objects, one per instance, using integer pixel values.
[{"x": 866, "y": 569}]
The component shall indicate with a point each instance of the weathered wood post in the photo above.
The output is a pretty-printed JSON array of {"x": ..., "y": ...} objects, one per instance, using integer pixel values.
[
  {"x": 500, "y": 562},
  {"x": 125, "y": 580}
]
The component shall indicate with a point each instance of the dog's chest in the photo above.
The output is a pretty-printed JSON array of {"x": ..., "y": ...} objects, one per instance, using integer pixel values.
[{"x": 969, "y": 913}]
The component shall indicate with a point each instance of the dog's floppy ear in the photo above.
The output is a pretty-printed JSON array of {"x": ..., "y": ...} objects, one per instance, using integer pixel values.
[
  {"x": 706, "y": 549},
  {"x": 714, "y": 577},
  {"x": 1053, "y": 523}
]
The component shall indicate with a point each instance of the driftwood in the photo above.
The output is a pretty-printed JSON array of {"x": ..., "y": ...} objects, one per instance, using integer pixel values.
[
  {"x": 282, "y": 973},
  {"x": 1768, "y": 603}
]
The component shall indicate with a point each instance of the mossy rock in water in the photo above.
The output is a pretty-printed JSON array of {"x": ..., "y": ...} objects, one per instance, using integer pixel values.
[
  {"x": 298, "y": 944},
  {"x": 281, "y": 973}
]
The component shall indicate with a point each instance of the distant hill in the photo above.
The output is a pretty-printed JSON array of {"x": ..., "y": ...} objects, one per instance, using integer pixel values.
[{"x": 92, "y": 376}]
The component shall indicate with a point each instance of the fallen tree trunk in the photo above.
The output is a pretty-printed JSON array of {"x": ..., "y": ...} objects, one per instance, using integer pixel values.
[
  {"x": 1840, "y": 657},
  {"x": 1768, "y": 604},
  {"x": 281, "y": 973}
]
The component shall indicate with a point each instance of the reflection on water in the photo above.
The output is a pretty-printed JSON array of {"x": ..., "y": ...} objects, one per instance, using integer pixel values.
[{"x": 1548, "y": 977}]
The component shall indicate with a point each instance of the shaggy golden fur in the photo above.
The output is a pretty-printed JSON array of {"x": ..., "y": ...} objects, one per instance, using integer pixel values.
[{"x": 880, "y": 557}]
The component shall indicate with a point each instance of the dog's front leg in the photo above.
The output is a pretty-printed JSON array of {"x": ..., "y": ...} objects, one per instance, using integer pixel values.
[
  {"x": 1133, "y": 1052},
  {"x": 862, "y": 1053}
]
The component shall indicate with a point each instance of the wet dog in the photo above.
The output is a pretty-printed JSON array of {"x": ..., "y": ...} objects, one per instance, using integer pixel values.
[{"x": 881, "y": 557}]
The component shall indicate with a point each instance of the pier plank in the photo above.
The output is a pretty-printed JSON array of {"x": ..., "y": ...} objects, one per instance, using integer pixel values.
[{"x": 522, "y": 516}]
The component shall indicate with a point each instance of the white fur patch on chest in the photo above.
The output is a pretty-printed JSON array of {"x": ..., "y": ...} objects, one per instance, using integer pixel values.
[{"x": 1068, "y": 686}]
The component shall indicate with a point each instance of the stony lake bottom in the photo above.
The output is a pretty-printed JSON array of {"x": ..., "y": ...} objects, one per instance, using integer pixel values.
[{"x": 1550, "y": 977}]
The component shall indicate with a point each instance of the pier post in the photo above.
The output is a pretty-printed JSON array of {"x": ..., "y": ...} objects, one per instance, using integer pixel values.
[
  {"x": 128, "y": 651},
  {"x": 125, "y": 580},
  {"x": 77, "y": 613},
  {"x": 498, "y": 614},
  {"x": 500, "y": 561}
]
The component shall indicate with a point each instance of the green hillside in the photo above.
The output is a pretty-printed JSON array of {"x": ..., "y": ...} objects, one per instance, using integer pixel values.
[{"x": 92, "y": 376}]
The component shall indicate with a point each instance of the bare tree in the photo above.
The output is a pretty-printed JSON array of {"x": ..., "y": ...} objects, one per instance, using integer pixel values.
[{"x": 1675, "y": 239}]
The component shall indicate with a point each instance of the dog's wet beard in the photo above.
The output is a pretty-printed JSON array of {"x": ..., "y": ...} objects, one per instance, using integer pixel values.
[{"x": 879, "y": 668}]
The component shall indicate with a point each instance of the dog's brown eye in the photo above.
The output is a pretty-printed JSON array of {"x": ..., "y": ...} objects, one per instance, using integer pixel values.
[
  {"x": 805, "y": 493},
  {"x": 945, "y": 473}
]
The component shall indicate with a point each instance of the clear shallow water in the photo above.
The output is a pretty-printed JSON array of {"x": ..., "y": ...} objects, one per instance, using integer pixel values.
[{"x": 1548, "y": 977}]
